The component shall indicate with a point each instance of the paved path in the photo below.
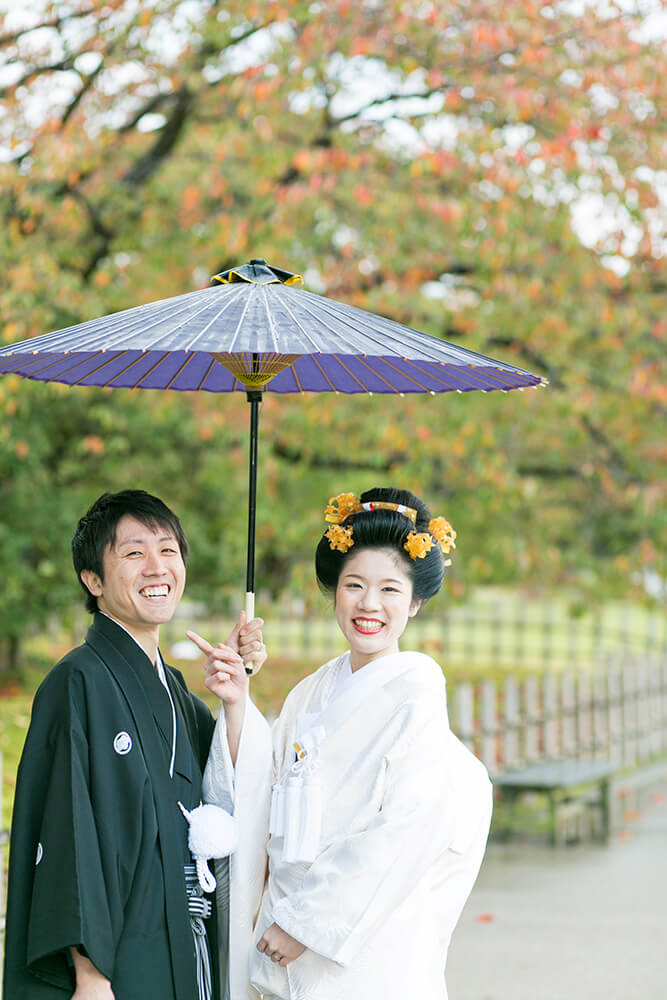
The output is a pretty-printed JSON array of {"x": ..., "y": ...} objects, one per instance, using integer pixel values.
[{"x": 584, "y": 922}]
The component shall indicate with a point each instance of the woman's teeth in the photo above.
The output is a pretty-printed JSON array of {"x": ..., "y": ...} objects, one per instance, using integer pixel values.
[{"x": 367, "y": 625}]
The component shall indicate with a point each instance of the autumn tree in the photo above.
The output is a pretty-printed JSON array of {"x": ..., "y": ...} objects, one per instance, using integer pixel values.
[{"x": 494, "y": 178}]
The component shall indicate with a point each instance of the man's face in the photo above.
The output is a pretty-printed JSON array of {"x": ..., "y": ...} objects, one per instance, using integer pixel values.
[{"x": 144, "y": 576}]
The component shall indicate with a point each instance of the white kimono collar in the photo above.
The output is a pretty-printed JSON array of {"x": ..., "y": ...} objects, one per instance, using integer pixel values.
[{"x": 296, "y": 803}]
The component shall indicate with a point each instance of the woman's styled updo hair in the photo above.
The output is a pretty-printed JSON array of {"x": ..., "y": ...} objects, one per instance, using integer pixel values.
[{"x": 385, "y": 529}]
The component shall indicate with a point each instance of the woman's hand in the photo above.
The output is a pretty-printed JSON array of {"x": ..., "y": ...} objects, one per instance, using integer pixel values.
[
  {"x": 280, "y": 946},
  {"x": 224, "y": 673}
]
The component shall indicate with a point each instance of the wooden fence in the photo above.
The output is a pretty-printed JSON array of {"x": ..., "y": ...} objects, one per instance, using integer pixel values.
[
  {"x": 495, "y": 634},
  {"x": 616, "y": 711}
]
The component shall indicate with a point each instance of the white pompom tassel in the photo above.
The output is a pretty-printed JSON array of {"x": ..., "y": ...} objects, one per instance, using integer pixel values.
[
  {"x": 212, "y": 834},
  {"x": 206, "y": 877}
]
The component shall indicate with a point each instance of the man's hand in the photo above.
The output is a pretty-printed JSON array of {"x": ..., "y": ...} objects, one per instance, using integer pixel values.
[
  {"x": 247, "y": 640},
  {"x": 90, "y": 984},
  {"x": 224, "y": 673},
  {"x": 280, "y": 946}
]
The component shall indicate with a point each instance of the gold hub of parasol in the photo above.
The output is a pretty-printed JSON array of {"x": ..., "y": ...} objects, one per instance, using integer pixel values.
[{"x": 255, "y": 371}]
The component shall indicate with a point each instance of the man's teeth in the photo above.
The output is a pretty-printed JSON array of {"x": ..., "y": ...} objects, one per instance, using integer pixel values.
[{"x": 155, "y": 591}]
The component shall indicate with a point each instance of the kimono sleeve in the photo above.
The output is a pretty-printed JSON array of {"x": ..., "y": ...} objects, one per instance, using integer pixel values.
[
  {"x": 71, "y": 902},
  {"x": 358, "y": 881}
]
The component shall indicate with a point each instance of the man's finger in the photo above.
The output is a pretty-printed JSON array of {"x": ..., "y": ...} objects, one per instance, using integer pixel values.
[
  {"x": 251, "y": 646},
  {"x": 254, "y": 629},
  {"x": 255, "y": 625},
  {"x": 222, "y": 652},
  {"x": 205, "y": 646}
]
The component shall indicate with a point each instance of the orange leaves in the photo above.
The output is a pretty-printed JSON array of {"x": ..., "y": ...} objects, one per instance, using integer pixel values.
[
  {"x": 191, "y": 198},
  {"x": 362, "y": 46},
  {"x": 363, "y": 195},
  {"x": 533, "y": 55},
  {"x": 93, "y": 444},
  {"x": 647, "y": 381},
  {"x": 191, "y": 204},
  {"x": 453, "y": 99},
  {"x": 447, "y": 211},
  {"x": 435, "y": 80},
  {"x": 303, "y": 160},
  {"x": 10, "y": 332},
  {"x": 485, "y": 35}
]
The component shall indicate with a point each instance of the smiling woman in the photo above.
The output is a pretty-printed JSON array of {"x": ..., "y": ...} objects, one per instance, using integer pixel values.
[
  {"x": 373, "y": 604},
  {"x": 378, "y": 816}
]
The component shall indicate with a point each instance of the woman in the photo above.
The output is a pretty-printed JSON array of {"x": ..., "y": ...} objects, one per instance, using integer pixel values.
[{"x": 379, "y": 815}]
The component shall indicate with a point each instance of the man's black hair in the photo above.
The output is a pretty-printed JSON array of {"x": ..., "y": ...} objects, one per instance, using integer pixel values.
[{"x": 96, "y": 530}]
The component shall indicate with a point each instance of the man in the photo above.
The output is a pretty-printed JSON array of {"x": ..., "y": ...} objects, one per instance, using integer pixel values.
[{"x": 98, "y": 905}]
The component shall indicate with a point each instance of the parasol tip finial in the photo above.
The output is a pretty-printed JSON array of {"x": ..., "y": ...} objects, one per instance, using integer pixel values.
[{"x": 257, "y": 272}]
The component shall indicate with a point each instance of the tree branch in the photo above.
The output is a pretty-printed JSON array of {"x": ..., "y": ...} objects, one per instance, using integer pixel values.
[
  {"x": 617, "y": 464},
  {"x": 55, "y": 22},
  {"x": 87, "y": 83},
  {"x": 104, "y": 234},
  {"x": 167, "y": 138},
  {"x": 281, "y": 449},
  {"x": 532, "y": 357},
  {"x": 63, "y": 65}
]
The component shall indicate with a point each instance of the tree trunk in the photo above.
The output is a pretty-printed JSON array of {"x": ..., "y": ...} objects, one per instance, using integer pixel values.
[{"x": 10, "y": 658}]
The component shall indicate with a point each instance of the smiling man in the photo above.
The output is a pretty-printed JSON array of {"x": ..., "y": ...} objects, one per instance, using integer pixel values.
[{"x": 103, "y": 898}]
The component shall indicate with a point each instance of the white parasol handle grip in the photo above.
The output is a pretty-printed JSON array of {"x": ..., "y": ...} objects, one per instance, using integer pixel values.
[
  {"x": 249, "y": 614},
  {"x": 250, "y": 606}
]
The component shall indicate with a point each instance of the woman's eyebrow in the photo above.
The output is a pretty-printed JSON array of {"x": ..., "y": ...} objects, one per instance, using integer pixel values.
[{"x": 357, "y": 576}]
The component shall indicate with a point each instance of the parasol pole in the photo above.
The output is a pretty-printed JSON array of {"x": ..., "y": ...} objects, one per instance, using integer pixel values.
[{"x": 254, "y": 397}]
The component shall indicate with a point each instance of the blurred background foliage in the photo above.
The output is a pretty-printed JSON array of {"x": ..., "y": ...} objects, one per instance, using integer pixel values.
[{"x": 494, "y": 179}]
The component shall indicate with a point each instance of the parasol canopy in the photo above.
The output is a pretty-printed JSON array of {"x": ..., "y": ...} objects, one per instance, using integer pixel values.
[{"x": 254, "y": 328}]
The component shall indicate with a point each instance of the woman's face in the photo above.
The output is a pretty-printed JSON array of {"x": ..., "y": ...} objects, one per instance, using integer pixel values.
[{"x": 373, "y": 604}]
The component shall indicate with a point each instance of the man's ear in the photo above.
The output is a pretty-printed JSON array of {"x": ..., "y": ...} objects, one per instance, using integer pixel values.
[
  {"x": 414, "y": 608},
  {"x": 92, "y": 582}
]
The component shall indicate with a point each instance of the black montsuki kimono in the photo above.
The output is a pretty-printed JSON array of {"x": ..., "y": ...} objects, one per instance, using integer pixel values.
[{"x": 98, "y": 841}]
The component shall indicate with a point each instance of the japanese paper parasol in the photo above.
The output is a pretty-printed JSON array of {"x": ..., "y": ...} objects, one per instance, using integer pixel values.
[{"x": 255, "y": 331}]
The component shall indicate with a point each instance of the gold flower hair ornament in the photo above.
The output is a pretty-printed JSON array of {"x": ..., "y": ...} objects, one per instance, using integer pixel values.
[
  {"x": 443, "y": 533},
  {"x": 339, "y": 538},
  {"x": 345, "y": 504},
  {"x": 341, "y": 507},
  {"x": 419, "y": 544}
]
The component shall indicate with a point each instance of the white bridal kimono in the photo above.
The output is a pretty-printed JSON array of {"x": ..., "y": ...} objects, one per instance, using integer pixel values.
[{"x": 379, "y": 823}]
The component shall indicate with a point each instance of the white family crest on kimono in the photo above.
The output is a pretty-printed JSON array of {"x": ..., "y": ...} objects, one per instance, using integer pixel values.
[{"x": 381, "y": 843}]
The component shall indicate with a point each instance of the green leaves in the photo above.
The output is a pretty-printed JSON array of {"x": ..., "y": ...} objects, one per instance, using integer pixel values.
[{"x": 428, "y": 162}]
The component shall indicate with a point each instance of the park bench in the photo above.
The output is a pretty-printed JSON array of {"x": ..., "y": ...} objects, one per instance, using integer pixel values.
[{"x": 571, "y": 786}]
